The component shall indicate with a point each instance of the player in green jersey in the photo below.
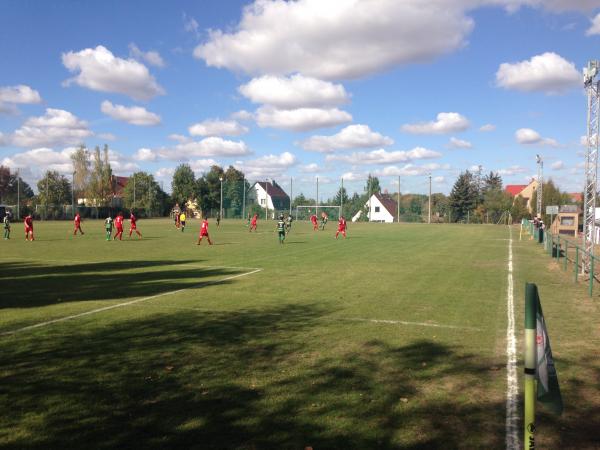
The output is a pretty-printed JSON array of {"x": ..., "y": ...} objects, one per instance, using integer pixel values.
[{"x": 281, "y": 229}]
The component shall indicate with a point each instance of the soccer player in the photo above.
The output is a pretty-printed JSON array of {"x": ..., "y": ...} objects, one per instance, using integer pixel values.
[
  {"x": 324, "y": 219},
  {"x": 313, "y": 219},
  {"x": 108, "y": 226},
  {"x": 77, "y": 223},
  {"x": 248, "y": 220},
  {"x": 288, "y": 224},
  {"x": 253, "y": 222},
  {"x": 29, "y": 227},
  {"x": 6, "y": 222},
  {"x": 204, "y": 232},
  {"x": 281, "y": 229},
  {"x": 341, "y": 227},
  {"x": 218, "y": 219},
  {"x": 182, "y": 221},
  {"x": 119, "y": 226},
  {"x": 133, "y": 225}
]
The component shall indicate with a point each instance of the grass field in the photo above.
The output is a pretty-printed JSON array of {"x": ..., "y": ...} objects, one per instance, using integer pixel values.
[{"x": 392, "y": 338}]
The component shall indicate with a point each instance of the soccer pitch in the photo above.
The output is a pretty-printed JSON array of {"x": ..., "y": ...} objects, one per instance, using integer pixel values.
[{"x": 393, "y": 338}]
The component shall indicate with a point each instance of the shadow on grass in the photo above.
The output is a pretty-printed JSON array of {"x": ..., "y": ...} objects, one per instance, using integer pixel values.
[
  {"x": 250, "y": 379},
  {"x": 26, "y": 285}
]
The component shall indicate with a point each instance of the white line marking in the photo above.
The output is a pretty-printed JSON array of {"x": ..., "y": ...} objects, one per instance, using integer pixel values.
[
  {"x": 403, "y": 322},
  {"x": 512, "y": 385},
  {"x": 119, "y": 305}
]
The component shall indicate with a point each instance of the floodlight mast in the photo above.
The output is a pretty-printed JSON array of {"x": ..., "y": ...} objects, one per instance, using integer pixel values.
[{"x": 592, "y": 86}]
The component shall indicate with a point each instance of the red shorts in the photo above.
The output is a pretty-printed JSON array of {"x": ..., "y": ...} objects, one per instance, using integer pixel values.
[
  {"x": 28, "y": 229},
  {"x": 119, "y": 229},
  {"x": 341, "y": 229},
  {"x": 133, "y": 227},
  {"x": 204, "y": 234}
]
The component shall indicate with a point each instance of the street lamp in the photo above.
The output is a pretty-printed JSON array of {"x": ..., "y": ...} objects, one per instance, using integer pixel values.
[{"x": 221, "y": 202}]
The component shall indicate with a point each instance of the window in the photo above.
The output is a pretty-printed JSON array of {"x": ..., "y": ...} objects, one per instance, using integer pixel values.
[
  {"x": 377, "y": 209},
  {"x": 262, "y": 201}
]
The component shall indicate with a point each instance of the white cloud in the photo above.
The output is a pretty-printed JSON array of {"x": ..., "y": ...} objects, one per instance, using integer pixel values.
[
  {"x": 310, "y": 168},
  {"x": 301, "y": 119},
  {"x": 558, "y": 165},
  {"x": 55, "y": 127},
  {"x": 144, "y": 154},
  {"x": 340, "y": 40},
  {"x": 216, "y": 127},
  {"x": 527, "y": 136},
  {"x": 180, "y": 138},
  {"x": 205, "y": 148},
  {"x": 107, "y": 136},
  {"x": 382, "y": 156},
  {"x": 19, "y": 94},
  {"x": 439, "y": 180},
  {"x": 512, "y": 170},
  {"x": 354, "y": 176},
  {"x": 135, "y": 115},
  {"x": 190, "y": 25},
  {"x": 446, "y": 122},
  {"x": 242, "y": 115},
  {"x": 292, "y": 92},
  {"x": 548, "y": 72},
  {"x": 100, "y": 70},
  {"x": 411, "y": 170},
  {"x": 267, "y": 166},
  {"x": 41, "y": 159},
  {"x": 353, "y": 136},
  {"x": 460, "y": 143},
  {"x": 152, "y": 57},
  {"x": 594, "y": 28},
  {"x": 202, "y": 165},
  {"x": 164, "y": 172},
  {"x": 487, "y": 127}
]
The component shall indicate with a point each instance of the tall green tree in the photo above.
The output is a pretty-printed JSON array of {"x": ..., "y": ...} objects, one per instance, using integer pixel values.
[
  {"x": 10, "y": 183},
  {"x": 183, "y": 186},
  {"x": 519, "y": 209},
  {"x": 233, "y": 190},
  {"x": 143, "y": 192},
  {"x": 372, "y": 185},
  {"x": 208, "y": 189},
  {"x": 100, "y": 180},
  {"x": 463, "y": 197},
  {"x": 54, "y": 189},
  {"x": 492, "y": 181},
  {"x": 551, "y": 196},
  {"x": 496, "y": 203},
  {"x": 81, "y": 168}
]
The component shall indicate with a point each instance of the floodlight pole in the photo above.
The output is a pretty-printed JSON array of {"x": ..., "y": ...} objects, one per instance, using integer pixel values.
[
  {"x": 18, "y": 195},
  {"x": 133, "y": 190},
  {"x": 592, "y": 86},
  {"x": 291, "y": 193},
  {"x": 221, "y": 201},
  {"x": 429, "y": 220},
  {"x": 317, "y": 200},
  {"x": 244, "y": 197},
  {"x": 342, "y": 199},
  {"x": 73, "y": 193},
  {"x": 540, "y": 164}
]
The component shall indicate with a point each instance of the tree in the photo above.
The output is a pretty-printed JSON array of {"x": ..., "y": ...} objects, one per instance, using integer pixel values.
[
  {"x": 233, "y": 190},
  {"x": 301, "y": 200},
  {"x": 519, "y": 209},
  {"x": 372, "y": 185},
  {"x": 100, "y": 189},
  {"x": 492, "y": 181},
  {"x": 54, "y": 189},
  {"x": 340, "y": 197},
  {"x": 208, "y": 189},
  {"x": 496, "y": 202},
  {"x": 143, "y": 192},
  {"x": 10, "y": 182},
  {"x": 81, "y": 167},
  {"x": 183, "y": 185},
  {"x": 463, "y": 197},
  {"x": 551, "y": 196}
]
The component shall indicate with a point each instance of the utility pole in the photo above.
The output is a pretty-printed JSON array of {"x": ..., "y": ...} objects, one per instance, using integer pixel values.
[
  {"x": 267, "y": 199},
  {"x": 46, "y": 208},
  {"x": 398, "y": 198},
  {"x": 291, "y": 194},
  {"x": 592, "y": 86},
  {"x": 18, "y": 195},
  {"x": 342, "y": 199},
  {"x": 244, "y": 197},
  {"x": 429, "y": 220},
  {"x": 73, "y": 194},
  {"x": 133, "y": 191},
  {"x": 540, "y": 179},
  {"x": 221, "y": 201},
  {"x": 369, "y": 201}
]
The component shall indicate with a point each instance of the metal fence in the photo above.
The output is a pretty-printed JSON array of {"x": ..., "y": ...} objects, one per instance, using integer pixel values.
[{"x": 566, "y": 253}]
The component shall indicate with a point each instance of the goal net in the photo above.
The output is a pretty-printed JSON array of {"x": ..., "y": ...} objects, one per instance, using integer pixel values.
[{"x": 304, "y": 212}]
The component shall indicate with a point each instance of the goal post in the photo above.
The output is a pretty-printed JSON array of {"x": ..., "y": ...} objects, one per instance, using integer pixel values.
[{"x": 304, "y": 212}]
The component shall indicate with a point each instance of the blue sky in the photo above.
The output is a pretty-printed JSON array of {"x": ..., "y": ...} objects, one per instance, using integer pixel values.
[{"x": 300, "y": 89}]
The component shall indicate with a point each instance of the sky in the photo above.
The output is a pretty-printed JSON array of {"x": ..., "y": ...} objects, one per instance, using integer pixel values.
[{"x": 306, "y": 89}]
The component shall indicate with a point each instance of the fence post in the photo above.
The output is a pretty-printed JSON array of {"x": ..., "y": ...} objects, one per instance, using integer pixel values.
[
  {"x": 558, "y": 248},
  {"x": 566, "y": 254},
  {"x": 576, "y": 262},
  {"x": 591, "y": 274}
]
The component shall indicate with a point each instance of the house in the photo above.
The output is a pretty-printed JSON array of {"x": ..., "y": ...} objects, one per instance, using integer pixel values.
[
  {"x": 524, "y": 190},
  {"x": 118, "y": 191},
  {"x": 269, "y": 195},
  {"x": 382, "y": 208}
]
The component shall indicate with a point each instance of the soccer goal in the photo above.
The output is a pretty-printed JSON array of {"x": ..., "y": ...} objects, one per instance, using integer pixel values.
[{"x": 304, "y": 212}]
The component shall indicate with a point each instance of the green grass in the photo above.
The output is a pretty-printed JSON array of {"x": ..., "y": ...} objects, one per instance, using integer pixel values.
[{"x": 333, "y": 344}]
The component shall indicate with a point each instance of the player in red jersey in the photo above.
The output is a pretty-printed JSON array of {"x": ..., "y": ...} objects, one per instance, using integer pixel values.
[
  {"x": 313, "y": 219},
  {"x": 341, "y": 227},
  {"x": 253, "y": 222},
  {"x": 119, "y": 226},
  {"x": 28, "y": 222},
  {"x": 77, "y": 223},
  {"x": 204, "y": 232},
  {"x": 133, "y": 225}
]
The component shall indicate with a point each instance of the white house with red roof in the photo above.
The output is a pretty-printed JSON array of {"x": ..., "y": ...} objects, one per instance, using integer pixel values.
[
  {"x": 380, "y": 208},
  {"x": 268, "y": 195}
]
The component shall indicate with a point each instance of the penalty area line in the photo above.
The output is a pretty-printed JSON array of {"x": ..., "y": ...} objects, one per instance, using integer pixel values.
[
  {"x": 120, "y": 305},
  {"x": 512, "y": 384},
  {"x": 404, "y": 322}
]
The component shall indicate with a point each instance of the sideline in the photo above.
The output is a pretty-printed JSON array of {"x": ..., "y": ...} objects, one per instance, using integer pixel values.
[
  {"x": 119, "y": 305},
  {"x": 512, "y": 385}
]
